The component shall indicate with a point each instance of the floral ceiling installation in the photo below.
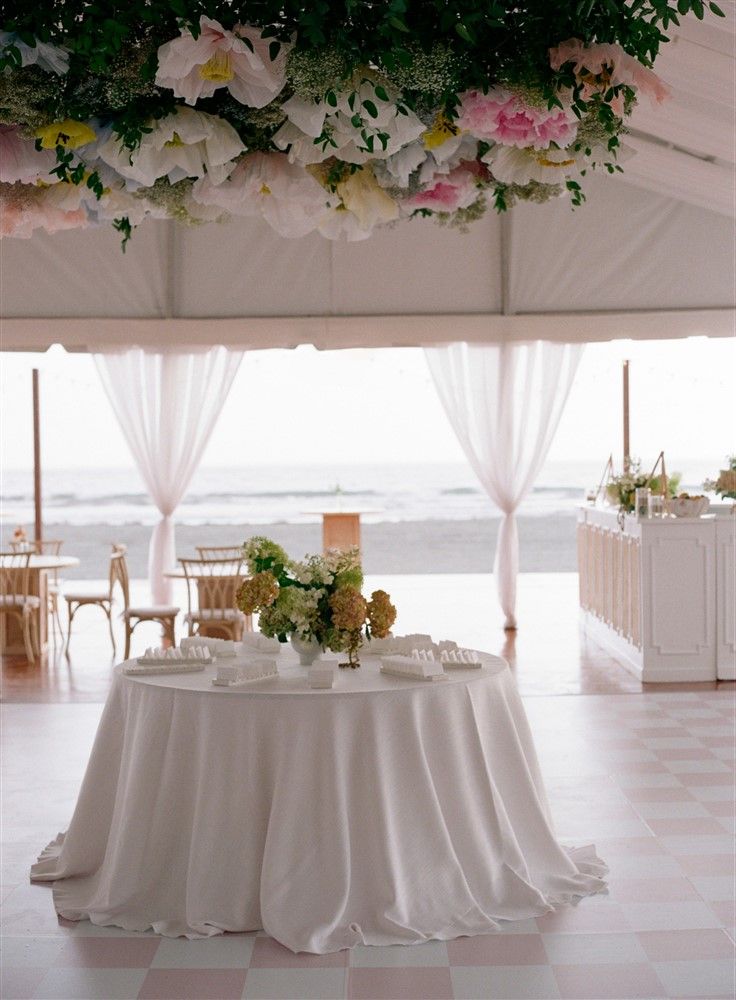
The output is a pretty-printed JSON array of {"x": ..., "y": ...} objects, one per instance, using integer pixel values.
[{"x": 329, "y": 117}]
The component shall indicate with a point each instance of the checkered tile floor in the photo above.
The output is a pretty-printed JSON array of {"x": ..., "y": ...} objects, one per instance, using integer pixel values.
[{"x": 648, "y": 778}]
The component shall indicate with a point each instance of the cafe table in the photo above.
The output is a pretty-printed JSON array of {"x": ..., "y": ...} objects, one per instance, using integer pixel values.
[
  {"x": 41, "y": 567},
  {"x": 382, "y": 811}
]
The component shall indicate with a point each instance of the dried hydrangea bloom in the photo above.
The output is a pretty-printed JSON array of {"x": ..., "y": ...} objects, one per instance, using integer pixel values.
[
  {"x": 381, "y": 614},
  {"x": 349, "y": 609},
  {"x": 257, "y": 592}
]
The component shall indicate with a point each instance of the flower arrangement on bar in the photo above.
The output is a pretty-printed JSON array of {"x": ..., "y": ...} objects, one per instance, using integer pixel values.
[
  {"x": 725, "y": 484},
  {"x": 328, "y": 117},
  {"x": 621, "y": 489},
  {"x": 317, "y": 599}
]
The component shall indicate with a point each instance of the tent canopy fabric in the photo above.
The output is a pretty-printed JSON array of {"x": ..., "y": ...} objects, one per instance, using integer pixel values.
[{"x": 650, "y": 254}]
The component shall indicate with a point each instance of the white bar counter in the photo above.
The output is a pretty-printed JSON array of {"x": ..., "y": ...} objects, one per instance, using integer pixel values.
[{"x": 658, "y": 593}]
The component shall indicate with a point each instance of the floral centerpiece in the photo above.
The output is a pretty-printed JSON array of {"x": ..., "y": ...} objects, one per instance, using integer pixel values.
[
  {"x": 329, "y": 117},
  {"x": 621, "y": 490},
  {"x": 725, "y": 484},
  {"x": 318, "y": 599}
]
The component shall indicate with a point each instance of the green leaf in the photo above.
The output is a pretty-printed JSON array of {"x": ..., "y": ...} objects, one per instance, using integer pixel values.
[
  {"x": 331, "y": 98},
  {"x": 461, "y": 29},
  {"x": 397, "y": 23},
  {"x": 273, "y": 50},
  {"x": 371, "y": 108},
  {"x": 716, "y": 10},
  {"x": 381, "y": 93}
]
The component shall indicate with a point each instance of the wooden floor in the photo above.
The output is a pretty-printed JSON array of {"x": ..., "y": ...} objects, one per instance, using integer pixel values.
[{"x": 549, "y": 653}]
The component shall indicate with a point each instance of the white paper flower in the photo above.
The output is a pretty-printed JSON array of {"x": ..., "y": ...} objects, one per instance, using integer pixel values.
[
  {"x": 511, "y": 165},
  {"x": 52, "y": 58},
  {"x": 266, "y": 184},
  {"x": 21, "y": 161},
  {"x": 360, "y": 127},
  {"x": 185, "y": 143},
  {"x": 239, "y": 60}
]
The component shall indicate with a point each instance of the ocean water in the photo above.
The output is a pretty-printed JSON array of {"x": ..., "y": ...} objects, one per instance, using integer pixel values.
[{"x": 296, "y": 494}]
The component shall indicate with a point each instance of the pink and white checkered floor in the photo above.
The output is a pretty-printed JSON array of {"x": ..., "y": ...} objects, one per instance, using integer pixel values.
[{"x": 648, "y": 777}]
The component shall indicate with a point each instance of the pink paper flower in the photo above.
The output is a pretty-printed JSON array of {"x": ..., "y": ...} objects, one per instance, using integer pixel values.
[
  {"x": 605, "y": 65},
  {"x": 197, "y": 67},
  {"x": 20, "y": 160},
  {"x": 25, "y": 208},
  {"x": 449, "y": 192},
  {"x": 500, "y": 116}
]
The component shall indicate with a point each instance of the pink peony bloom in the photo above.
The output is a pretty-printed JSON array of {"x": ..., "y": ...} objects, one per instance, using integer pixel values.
[
  {"x": 449, "y": 192},
  {"x": 197, "y": 67},
  {"x": 21, "y": 161},
  {"x": 605, "y": 65},
  {"x": 500, "y": 116}
]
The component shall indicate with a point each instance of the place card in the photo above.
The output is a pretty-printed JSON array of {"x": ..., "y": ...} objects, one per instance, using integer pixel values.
[{"x": 322, "y": 674}]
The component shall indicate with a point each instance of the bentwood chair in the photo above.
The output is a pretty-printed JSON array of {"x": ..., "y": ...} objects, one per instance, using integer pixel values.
[
  {"x": 219, "y": 551},
  {"x": 16, "y": 599},
  {"x": 164, "y": 615},
  {"x": 211, "y": 588},
  {"x": 47, "y": 547}
]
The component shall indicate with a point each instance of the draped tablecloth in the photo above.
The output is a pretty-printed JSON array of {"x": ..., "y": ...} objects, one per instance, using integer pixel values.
[{"x": 383, "y": 811}]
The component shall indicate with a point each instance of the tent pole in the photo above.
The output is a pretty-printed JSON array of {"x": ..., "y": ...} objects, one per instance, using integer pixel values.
[
  {"x": 627, "y": 452},
  {"x": 38, "y": 526}
]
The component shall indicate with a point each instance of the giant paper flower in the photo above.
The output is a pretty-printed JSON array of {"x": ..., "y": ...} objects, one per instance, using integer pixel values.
[
  {"x": 366, "y": 200},
  {"x": 70, "y": 134},
  {"x": 448, "y": 192},
  {"x": 360, "y": 126},
  {"x": 603, "y": 65},
  {"x": 25, "y": 208},
  {"x": 185, "y": 143},
  {"x": 239, "y": 60},
  {"x": 501, "y": 116},
  {"x": 21, "y": 161},
  {"x": 52, "y": 58},
  {"x": 510, "y": 165},
  {"x": 285, "y": 194}
]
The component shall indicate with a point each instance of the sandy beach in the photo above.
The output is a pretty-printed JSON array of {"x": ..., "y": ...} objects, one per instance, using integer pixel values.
[{"x": 547, "y": 544}]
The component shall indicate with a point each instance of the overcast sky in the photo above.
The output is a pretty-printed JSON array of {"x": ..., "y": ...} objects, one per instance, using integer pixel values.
[{"x": 306, "y": 406}]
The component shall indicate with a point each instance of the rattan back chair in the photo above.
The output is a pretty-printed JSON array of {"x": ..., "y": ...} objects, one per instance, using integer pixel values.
[
  {"x": 219, "y": 551},
  {"x": 211, "y": 588},
  {"x": 17, "y": 601}
]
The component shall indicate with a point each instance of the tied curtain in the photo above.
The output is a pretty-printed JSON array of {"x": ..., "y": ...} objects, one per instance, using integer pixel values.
[
  {"x": 504, "y": 402},
  {"x": 167, "y": 404}
]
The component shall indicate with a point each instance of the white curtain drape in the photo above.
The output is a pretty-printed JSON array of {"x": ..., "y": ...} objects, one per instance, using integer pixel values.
[
  {"x": 504, "y": 402},
  {"x": 167, "y": 404}
]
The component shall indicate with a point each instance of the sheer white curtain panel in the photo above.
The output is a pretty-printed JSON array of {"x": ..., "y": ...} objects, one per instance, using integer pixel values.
[
  {"x": 167, "y": 404},
  {"x": 504, "y": 402}
]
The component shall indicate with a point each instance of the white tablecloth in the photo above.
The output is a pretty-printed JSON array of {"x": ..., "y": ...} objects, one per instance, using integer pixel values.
[{"x": 383, "y": 811}]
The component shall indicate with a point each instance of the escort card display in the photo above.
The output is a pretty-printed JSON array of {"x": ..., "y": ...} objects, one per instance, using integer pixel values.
[
  {"x": 260, "y": 643},
  {"x": 256, "y": 669},
  {"x": 217, "y": 647},
  {"x": 413, "y": 667}
]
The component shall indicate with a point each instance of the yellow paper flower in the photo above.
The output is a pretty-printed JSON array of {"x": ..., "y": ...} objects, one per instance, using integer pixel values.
[{"x": 70, "y": 133}]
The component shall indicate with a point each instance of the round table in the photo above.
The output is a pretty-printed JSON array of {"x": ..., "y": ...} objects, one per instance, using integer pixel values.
[
  {"x": 381, "y": 811},
  {"x": 40, "y": 566}
]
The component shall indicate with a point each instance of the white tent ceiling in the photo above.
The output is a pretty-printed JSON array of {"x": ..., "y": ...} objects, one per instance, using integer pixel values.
[{"x": 649, "y": 255}]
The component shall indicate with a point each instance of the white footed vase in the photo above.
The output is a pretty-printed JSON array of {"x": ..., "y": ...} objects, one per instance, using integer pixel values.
[{"x": 308, "y": 650}]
